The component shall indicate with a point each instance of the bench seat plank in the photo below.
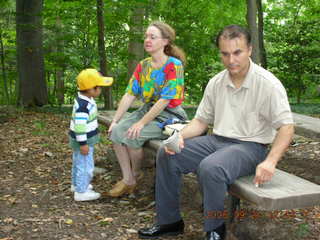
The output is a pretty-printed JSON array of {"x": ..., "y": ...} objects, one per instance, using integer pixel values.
[{"x": 284, "y": 191}]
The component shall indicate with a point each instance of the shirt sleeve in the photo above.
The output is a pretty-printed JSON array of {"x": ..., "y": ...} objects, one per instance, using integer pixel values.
[
  {"x": 174, "y": 81},
  {"x": 205, "y": 111},
  {"x": 134, "y": 87},
  {"x": 280, "y": 111}
]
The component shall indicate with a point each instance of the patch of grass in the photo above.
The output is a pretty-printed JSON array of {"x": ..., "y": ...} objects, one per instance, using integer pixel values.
[
  {"x": 65, "y": 109},
  {"x": 40, "y": 128},
  {"x": 105, "y": 140},
  {"x": 312, "y": 109},
  {"x": 103, "y": 137},
  {"x": 303, "y": 230},
  {"x": 39, "y": 125},
  {"x": 102, "y": 128}
]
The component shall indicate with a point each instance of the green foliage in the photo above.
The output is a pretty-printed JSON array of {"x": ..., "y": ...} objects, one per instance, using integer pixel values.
[
  {"x": 7, "y": 38},
  {"x": 196, "y": 24},
  {"x": 293, "y": 47},
  {"x": 70, "y": 41}
]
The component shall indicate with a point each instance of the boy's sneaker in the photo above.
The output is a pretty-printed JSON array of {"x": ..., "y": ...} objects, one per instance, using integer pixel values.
[
  {"x": 73, "y": 188},
  {"x": 86, "y": 196}
]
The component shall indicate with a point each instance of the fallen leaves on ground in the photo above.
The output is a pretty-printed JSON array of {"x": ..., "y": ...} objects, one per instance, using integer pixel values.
[{"x": 35, "y": 197}]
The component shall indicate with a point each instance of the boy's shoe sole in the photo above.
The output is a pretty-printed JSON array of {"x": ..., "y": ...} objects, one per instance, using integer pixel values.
[{"x": 86, "y": 196}]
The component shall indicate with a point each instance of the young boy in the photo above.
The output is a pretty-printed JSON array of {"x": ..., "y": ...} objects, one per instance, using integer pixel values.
[{"x": 84, "y": 132}]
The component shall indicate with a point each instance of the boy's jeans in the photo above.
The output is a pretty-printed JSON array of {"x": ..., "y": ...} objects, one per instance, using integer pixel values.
[{"x": 82, "y": 170}]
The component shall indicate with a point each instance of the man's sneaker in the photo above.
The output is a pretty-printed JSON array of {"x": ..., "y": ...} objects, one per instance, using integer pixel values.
[
  {"x": 73, "y": 188},
  {"x": 86, "y": 196}
]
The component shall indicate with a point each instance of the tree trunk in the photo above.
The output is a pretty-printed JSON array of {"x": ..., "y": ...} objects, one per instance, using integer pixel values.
[
  {"x": 299, "y": 93},
  {"x": 263, "y": 54},
  {"x": 252, "y": 24},
  {"x": 135, "y": 47},
  {"x": 60, "y": 65},
  {"x": 108, "y": 102},
  {"x": 60, "y": 86},
  {"x": 32, "y": 87},
  {"x": 4, "y": 75}
]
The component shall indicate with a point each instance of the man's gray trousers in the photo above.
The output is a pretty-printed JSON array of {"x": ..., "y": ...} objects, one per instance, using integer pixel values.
[{"x": 217, "y": 161}]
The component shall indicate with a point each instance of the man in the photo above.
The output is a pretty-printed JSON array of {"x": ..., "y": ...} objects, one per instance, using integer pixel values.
[{"x": 246, "y": 105}]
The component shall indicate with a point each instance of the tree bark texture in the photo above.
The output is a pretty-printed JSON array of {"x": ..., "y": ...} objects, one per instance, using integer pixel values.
[
  {"x": 253, "y": 28},
  {"x": 135, "y": 47},
  {"x": 32, "y": 87},
  {"x": 263, "y": 54},
  {"x": 107, "y": 92},
  {"x": 60, "y": 65}
]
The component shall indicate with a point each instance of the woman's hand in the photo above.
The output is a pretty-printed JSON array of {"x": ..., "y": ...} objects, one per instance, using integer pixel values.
[
  {"x": 135, "y": 130},
  {"x": 111, "y": 127}
]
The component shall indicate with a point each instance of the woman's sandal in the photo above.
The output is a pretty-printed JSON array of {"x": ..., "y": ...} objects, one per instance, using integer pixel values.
[{"x": 120, "y": 188}]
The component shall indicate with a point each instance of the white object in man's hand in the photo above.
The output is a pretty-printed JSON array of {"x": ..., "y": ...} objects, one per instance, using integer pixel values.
[{"x": 172, "y": 143}]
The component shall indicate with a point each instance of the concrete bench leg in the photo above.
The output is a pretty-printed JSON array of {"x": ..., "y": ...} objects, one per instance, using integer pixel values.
[{"x": 233, "y": 205}]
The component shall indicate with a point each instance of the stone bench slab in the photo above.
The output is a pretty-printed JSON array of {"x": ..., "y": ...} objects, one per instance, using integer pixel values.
[{"x": 307, "y": 126}]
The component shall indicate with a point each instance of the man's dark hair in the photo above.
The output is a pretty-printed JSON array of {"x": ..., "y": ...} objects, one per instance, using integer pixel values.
[{"x": 233, "y": 31}]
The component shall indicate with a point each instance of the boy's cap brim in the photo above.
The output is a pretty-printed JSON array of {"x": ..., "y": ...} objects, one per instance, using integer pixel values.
[{"x": 105, "y": 82}]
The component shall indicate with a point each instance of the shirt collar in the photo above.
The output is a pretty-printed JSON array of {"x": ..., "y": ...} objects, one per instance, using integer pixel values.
[
  {"x": 90, "y": 100},
  {"x": 247, "y": 83}
]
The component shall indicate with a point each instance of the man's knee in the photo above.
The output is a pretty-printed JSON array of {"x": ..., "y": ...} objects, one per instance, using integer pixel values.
[{"x": 214, "y": 172}]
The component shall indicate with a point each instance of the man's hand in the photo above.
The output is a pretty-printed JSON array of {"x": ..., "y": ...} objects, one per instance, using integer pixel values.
[
  {"x": 181, "y": 146},
  {"x": 135, "y": 130},
  {"x": 84, "y": 149},
  {"x": 266, "y": 169},
  {"x": 264, "y": 172}
]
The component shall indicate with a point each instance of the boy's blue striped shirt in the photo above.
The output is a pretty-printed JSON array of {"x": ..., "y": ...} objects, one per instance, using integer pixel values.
[{"x": 84, "y": 123}]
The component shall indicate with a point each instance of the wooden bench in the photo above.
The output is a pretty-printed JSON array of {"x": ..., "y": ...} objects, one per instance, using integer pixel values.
[{"x": 285, "y": 191}]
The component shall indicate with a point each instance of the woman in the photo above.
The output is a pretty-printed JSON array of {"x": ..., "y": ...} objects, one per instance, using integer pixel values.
[{"x": 158, "y": 81}]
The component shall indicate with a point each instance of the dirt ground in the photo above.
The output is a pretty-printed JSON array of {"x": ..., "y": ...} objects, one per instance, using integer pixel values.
[{"x": 36, "y": 202}]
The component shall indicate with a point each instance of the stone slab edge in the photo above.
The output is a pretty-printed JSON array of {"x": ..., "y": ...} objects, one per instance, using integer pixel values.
[{"x": 307, "y": 126}]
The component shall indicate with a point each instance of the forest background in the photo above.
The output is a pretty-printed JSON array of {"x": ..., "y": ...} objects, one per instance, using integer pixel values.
[{"x": 45, "y": 44}]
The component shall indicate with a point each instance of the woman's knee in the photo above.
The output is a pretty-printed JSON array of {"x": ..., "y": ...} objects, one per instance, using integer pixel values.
[{"x": 117, "y": 133}]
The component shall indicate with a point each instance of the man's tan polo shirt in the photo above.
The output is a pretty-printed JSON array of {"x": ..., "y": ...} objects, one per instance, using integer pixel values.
[{"x": 252, "y": 112}]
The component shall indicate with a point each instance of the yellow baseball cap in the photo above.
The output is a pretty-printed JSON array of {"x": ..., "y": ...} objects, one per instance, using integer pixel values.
[{"x": 90, "y": 78}]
